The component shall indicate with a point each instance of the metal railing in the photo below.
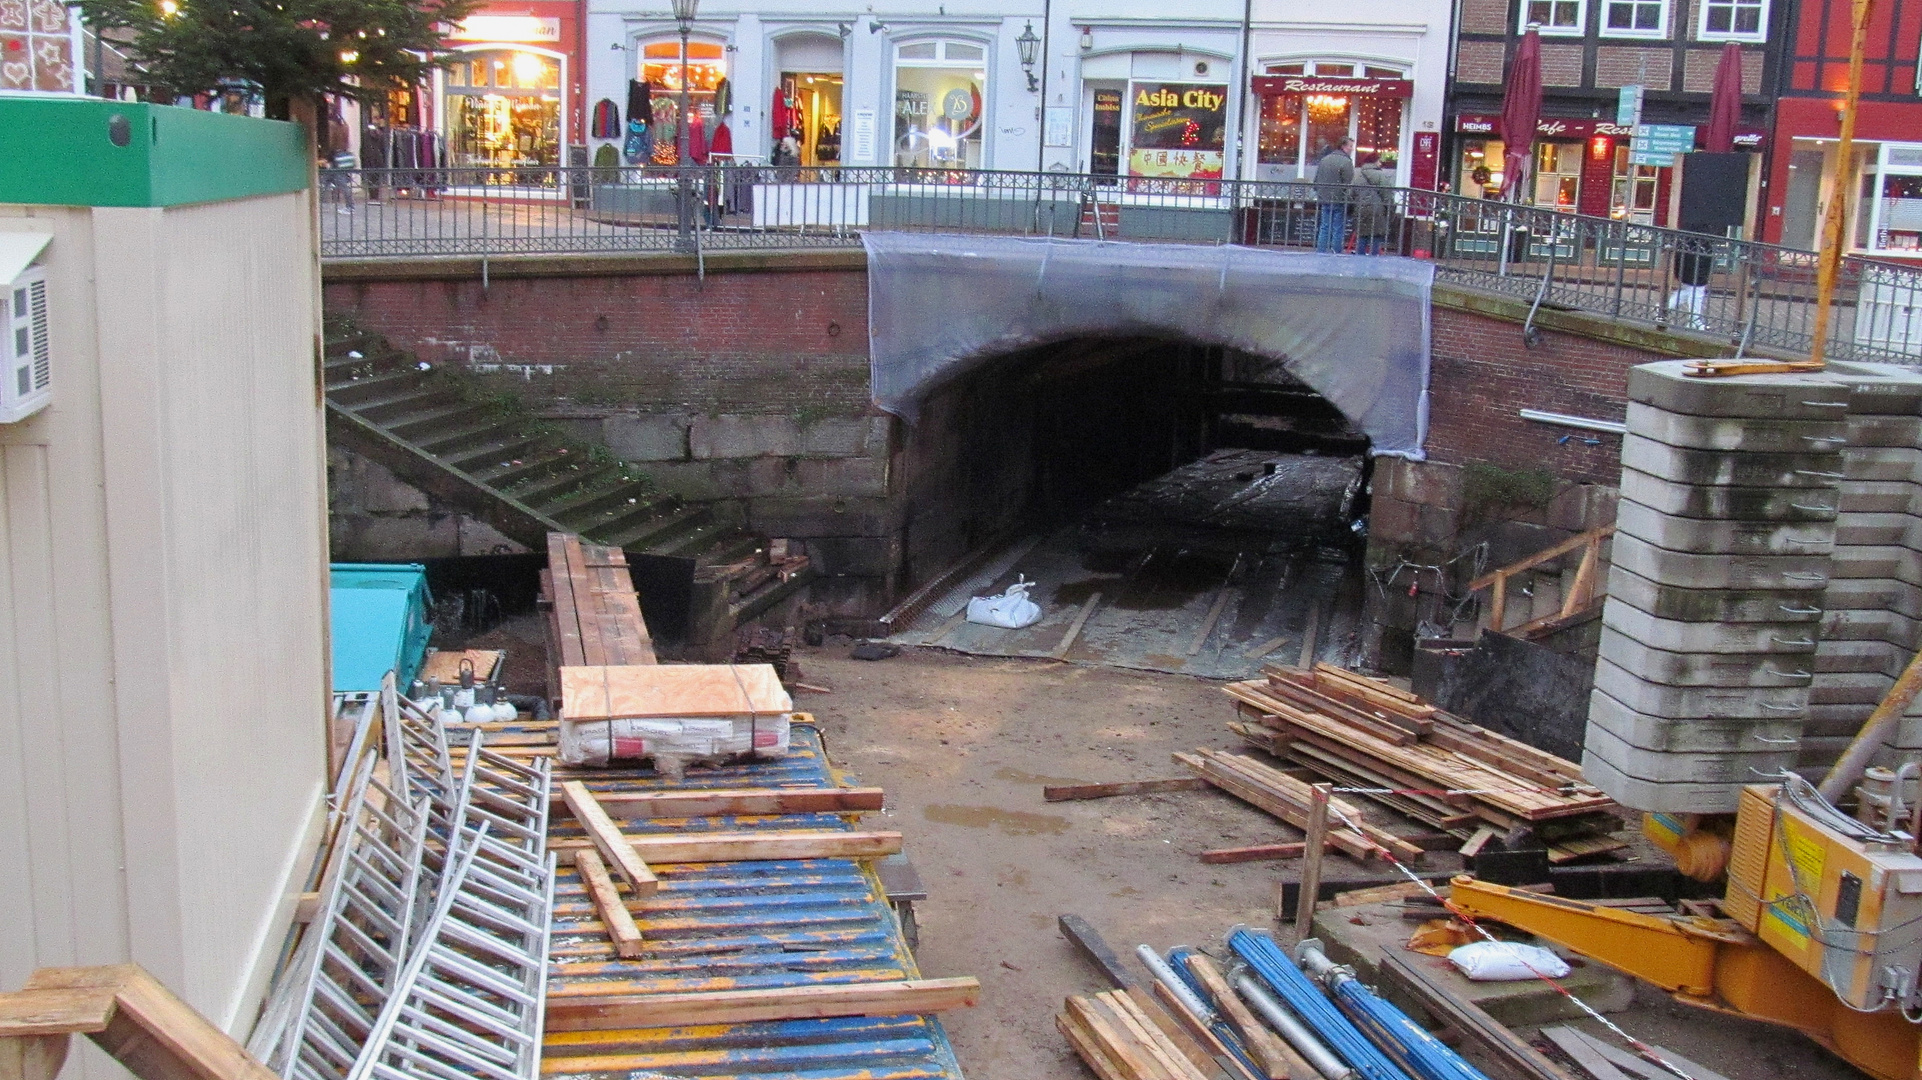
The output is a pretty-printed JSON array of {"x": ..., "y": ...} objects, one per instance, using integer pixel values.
[{"x": 1755, "y": 296}]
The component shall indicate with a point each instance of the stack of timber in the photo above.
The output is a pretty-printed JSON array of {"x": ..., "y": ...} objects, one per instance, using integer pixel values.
[
  {"x": 1289, "y": 799},
  {"x": 1431, "y": 766},
  {"x": 1120, "y": 1041}
]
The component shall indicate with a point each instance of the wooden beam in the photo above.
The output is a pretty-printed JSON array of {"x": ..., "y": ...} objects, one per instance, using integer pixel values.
[
  {"x": 1311, "y": 863},
  {"x": 724, "y": 801},
  {"x": 752, "y": 846},
  {"x": 33, "y": 1057},
  {"x": 1074, "y": 792},
  {"x": 605, "y": 836},
  {"x": 137, "y": 1021},
  {"x": 1094, "y": 948},
  {"x": 1254, "y": 853},
  {"x": 621, "y": 929},
  {"x": 1570, "y": 1042},
  {"x": 605, "y": 1012}
]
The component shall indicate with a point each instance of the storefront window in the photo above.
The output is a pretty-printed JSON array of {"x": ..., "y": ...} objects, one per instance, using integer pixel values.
[
  {"x": 504, "y": 109},
  {"x": 1481, "y": 168},
  {"x": 940, "y": 90},
  {"x": 1891, "y": 216},
  {"x": 1104, "y": 150},
  {"x": 1308, "y": 107},
  {"x": 1177, "y": 134},
  {"x": 661, "y": 71}
]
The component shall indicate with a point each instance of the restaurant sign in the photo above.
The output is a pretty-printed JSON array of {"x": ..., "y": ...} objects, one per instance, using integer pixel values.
[
  {"x": 1548, "y": 127},
  {"x": 1273, "y": 85}
]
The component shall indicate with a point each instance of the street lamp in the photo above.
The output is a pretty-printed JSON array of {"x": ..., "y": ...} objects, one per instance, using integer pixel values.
[
  {"x": 1030, "y": 47},
  {"x": 684, "y": 18}
]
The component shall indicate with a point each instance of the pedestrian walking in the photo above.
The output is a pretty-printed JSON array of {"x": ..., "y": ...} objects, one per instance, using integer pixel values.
[
  {"x": 1334, "y": 187},
  {"x": 1374, "y": 204}
]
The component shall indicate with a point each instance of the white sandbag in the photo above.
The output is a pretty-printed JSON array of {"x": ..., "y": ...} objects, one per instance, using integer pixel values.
[
  {"x": 673, "y": 741},
  {"x": 1011, "y": 609},
  {"x": 1506, "y": 961}
]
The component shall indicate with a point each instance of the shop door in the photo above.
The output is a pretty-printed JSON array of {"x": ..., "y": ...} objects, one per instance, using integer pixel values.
[
  {"x": 503, "y": 109},
  {"x": 1802, "y": 205},
  {"x": 1558, "y": 175},
  {"x": 1104, "y": 137},
  {"x": 816, "y": 101}
]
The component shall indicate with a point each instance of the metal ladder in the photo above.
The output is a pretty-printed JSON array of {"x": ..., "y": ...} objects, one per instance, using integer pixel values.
[
  {"x": 472, "y": 999},
  {"x": 351, "y": 957}
]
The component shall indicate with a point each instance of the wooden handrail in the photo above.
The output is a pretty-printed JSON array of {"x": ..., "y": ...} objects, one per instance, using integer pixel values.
[
  {"x": 127, "y": 1013},
  {"x": 1583, "y": 591},
  {"x": 1541, "y": 557}
]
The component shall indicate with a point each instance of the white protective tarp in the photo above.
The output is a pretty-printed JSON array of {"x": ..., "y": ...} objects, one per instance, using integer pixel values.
[{"x": 1353, "y": 327}]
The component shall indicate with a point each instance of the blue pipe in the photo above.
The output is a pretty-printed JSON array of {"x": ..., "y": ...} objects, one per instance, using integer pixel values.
[
  {"x": 1230, "y": 1038},
  {"x": 1301, "y": 995},
  {"x": 1404, "y": 1040}
]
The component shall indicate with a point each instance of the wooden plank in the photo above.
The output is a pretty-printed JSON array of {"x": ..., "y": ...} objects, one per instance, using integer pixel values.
[
  {"x": 1378, "y": 686},
  {"x": 1272, "y": 645},
  {"x": 1197, "y": 1029},
  {"x": 1317, "y": 830},
  {"x": 1108, "y": 1030},
  {"x": 1379, "y": 894},
  {"x": 752, "y": 846},
  {"x": 566, "y": 618},
  {"x": 1060, "y": 652},
  {"x": 606, "y": 837},
  {"x": 1475, "y": 1025},
  {"x": 1301, "y": 793},
  {"x": 1570, "y": 1042},
  {"x": 154, "y": 1034},
  {"x": 586, "y": 610},
  {"x": 1278, "y": 1059},
  {"x": 1308, "y": 636},
  {"x": 444, "y": 665},
  {"x": 33, "y": 1057},
  {"x": 1254, "y": 853},
  {"x": 1214, "y": 615},
  {"x": 55, "y": 1011},
  {"x": 621, "y": 928},
  {"x": 1477, "y": 842},
  {"x": 591, "y": 1012},
  {"x": 1096, "y": 1056},
  {"x": 1166, "y": 1055},
  {"x": 1249, "y": 792},
  {"x": 1074, "y": 792},
  {"x": 1094, "y": 948},
  {"x": 638, "y": 805}
]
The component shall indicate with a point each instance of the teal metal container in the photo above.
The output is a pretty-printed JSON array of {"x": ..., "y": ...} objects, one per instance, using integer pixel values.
[{"x": 380, "y": 623}]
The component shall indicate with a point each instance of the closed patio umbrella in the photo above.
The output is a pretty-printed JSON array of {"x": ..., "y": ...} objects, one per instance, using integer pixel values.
[
  {"x": 1521, "y": 110},
  {"x": 1725, "y": 105}
]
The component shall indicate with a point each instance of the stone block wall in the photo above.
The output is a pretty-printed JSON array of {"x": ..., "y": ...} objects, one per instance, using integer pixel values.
[{"x": 374, "y": 516}]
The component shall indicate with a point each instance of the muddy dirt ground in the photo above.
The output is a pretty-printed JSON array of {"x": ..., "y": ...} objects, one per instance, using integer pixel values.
[{"x": 963, "y": 747}]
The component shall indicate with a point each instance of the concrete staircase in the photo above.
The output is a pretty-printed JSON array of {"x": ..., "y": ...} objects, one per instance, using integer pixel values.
[{"x": 698, "y": 574}]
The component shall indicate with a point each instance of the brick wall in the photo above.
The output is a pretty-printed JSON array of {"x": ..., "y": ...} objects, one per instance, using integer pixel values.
[
  {"x": 1482, "y": 374},
  {"x": 1619, "y": 65},
  {"x": 1485, "y": 16},
  {"x": 779, "y": 341},
  {"x": 1479, "y": 62},
  {"x": 1561, "y": 65}
]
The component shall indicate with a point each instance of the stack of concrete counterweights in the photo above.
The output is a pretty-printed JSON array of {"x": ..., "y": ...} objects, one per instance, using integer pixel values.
[
  {"x": 1873, "y": 620},
  {"x": 1721, "y": 556}
]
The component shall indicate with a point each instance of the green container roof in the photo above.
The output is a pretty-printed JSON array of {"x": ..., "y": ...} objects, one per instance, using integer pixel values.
[{"x": 74, "y": 151}]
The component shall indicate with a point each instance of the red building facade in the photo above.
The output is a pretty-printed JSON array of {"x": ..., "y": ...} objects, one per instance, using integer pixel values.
[{"x": 1885, "y": 172}]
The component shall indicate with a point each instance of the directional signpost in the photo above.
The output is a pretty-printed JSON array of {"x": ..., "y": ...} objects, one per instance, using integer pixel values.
[{"x": 1657, "y": 144}]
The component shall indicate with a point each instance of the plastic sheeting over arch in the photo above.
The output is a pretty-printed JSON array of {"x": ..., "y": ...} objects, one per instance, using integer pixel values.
[{"x": 1355, "y": 328}]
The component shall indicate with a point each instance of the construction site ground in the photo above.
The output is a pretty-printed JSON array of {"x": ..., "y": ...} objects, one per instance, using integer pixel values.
[{"x": 963, "y": 745}]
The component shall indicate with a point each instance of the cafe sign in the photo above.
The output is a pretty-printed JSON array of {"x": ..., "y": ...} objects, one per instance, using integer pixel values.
[
  {"x": 1548, "y": 127},
  {"x": 1272, "y": 85}
]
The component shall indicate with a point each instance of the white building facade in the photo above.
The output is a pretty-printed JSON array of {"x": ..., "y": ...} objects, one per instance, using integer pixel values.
[{"x": 1210, "y": 88}]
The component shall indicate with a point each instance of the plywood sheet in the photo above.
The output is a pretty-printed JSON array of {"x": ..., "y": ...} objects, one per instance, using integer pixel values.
[{"x": 649, "y": 690}]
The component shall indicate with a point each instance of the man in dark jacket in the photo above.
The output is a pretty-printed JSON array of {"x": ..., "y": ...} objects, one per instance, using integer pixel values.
[{"x": 1334, "y": 180}]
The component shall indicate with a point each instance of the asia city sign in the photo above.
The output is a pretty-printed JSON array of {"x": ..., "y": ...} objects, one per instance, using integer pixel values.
[
  {"x": 1173, "y": 97},
  {"x": 1273, "y": 85},
  {"x": 1548, "y": 127}
]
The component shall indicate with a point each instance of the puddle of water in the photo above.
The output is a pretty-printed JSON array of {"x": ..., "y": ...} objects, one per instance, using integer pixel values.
[
  {"x": 1016, "y": 776},
  {"x": 1011, "y": 822}
]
